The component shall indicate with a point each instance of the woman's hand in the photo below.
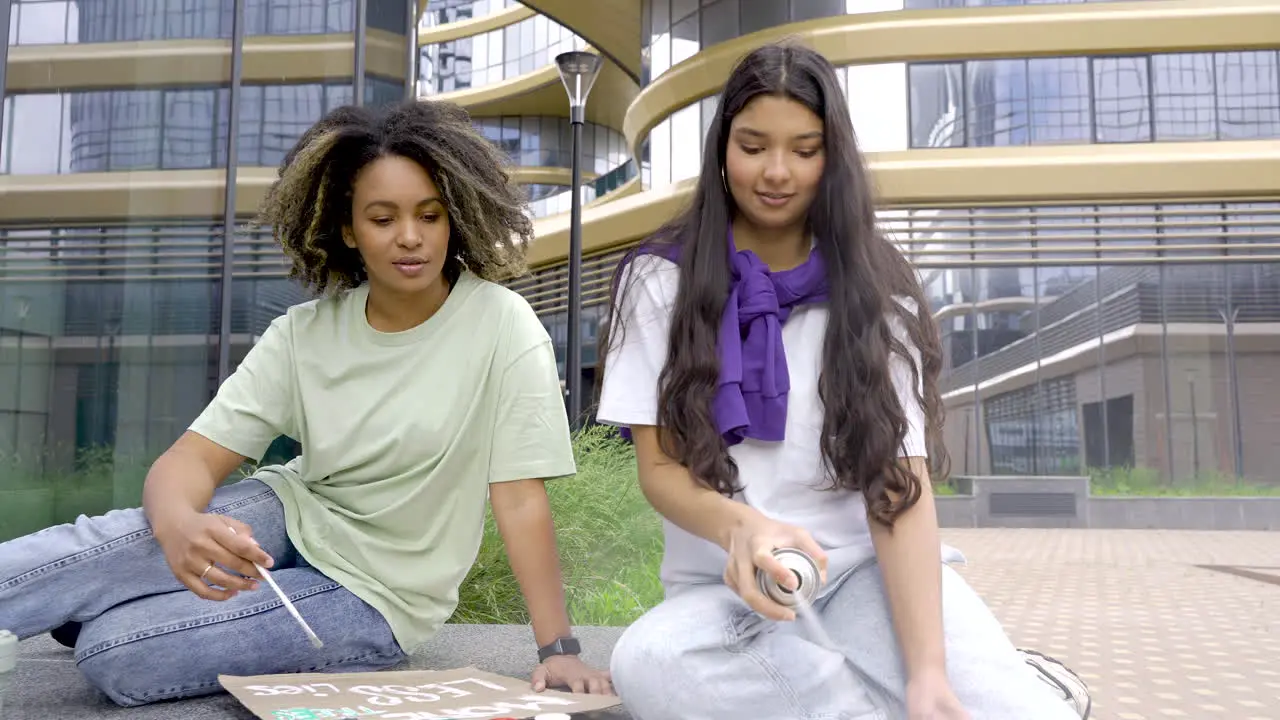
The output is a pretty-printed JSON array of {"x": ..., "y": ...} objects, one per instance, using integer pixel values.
[
  {"x": 751, "y": 546},
  {"x": 929, "y": 697},
  {"x": 201, "y": 548},
  {"x": 568, "y": 671}
]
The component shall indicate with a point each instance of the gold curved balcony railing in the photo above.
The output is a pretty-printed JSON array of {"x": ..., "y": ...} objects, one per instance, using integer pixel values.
[
  {"x": 530, "y": 94},
  {"x": 494, "y": 55},
  {"x": 961, "y": 177},
  {"x": 613, "y": 26},
  {"x": 117, "y": 196},
  {"x": 541, "y": 93},
  {"x": 990, "y": 32},
  {"x": 167, "y": 63},
  {"x": 473, "y": 26}
]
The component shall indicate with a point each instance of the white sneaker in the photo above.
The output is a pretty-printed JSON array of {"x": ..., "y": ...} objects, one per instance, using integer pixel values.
[
  {"x": 1062, "y": 680},
  {"x": 8, "y": 661}
]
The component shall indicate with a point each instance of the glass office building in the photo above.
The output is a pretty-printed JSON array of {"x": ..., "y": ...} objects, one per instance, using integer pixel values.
[
  {"x": 123, "y": 301},
  {"x": 1090, "y": 200},
  {"x": 497, "y": 58},
  {"x": 1086, "y": 331},
  {"x": 1171, "y": 343},
  {"x": 514, "y": 44},
  {"x": 131, "y": 283}
]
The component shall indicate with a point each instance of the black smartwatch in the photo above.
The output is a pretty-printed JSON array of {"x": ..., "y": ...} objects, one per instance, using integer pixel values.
[{"x": 560, "y": 646}]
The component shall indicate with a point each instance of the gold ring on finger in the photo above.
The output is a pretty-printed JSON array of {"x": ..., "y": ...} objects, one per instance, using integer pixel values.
[{"x": 206, "y": 572}]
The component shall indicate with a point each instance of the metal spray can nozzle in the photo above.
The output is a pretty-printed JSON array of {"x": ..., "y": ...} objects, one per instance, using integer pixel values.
[{"x": 808, "y": 578}]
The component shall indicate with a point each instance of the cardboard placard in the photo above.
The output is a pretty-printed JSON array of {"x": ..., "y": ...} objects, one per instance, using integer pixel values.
[{"x": 403, "y": 695}]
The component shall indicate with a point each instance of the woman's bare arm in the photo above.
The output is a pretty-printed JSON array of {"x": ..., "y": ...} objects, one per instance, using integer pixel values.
[{"x": 910, "y": 558}]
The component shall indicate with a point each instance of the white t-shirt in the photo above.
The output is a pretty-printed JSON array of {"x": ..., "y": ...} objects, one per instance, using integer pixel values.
[{"x": 783, "y": 480}]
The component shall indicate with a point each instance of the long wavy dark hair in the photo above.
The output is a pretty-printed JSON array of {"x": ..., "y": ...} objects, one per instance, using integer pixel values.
[
  {"x": 864, "y": 424},
  {"x": 310, "y": 202}
]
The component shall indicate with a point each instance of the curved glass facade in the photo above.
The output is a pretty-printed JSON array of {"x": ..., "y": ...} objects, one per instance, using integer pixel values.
[
  {"x": 881, "y": 125},
  {"x": 674, "y": 30},
  {"x": 443, "y": 12},
  {"x": 491, "y": 57},
  {"x": 1125, "y": 342},
  {"x": 534, "y": 141},
  {"x": 530, "y": 141},
  {"x": 1156, "y": 98},
  {"x": 560, "y": 201},
  {"x": 1019, "y": 101},
  {"x": 179, "y": 128},
  {"x": 43, "y": 22}
]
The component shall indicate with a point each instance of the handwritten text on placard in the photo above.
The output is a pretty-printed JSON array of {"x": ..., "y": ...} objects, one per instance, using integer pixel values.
[{"x": 409, "y": 695}]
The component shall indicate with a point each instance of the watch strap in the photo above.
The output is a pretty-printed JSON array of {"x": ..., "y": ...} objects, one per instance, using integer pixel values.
[{"x": 559, "y": 646}]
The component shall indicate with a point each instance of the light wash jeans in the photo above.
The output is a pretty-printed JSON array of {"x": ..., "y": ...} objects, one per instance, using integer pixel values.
[
  {"x": 702, "y": 654},
  {"x": 146, "y": 638}
]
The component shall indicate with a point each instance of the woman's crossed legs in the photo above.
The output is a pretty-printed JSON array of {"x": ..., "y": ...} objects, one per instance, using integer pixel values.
[
  {"x": 704, "y": 655},
  {"x": 144, "y": 637}
]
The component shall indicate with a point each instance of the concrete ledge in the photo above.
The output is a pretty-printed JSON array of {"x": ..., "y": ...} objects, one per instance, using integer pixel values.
[
  {"x": 1065, "y": 502},
  {"x": 47, "y": 684},
  {"x": 957, "y": 511},
  {"x": 1207, "y": 513},
  {"x": 1027, "y": 502}
]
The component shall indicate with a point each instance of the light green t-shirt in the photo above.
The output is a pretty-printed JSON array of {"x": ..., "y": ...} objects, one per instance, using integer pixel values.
[{"x": 401, "y": 435}]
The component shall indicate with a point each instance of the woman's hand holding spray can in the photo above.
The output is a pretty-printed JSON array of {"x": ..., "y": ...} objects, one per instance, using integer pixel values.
[
  {"x": 808, "y": 579},
  {"x": 775, "y": 568}
]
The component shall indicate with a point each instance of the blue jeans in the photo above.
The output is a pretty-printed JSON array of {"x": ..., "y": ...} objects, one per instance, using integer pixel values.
[
  {"x": 702, "y": 654},
  {"x": 146, "y": 638}
]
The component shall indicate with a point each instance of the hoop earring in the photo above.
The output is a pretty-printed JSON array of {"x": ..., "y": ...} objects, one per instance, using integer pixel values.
[{"x": 724, "y": 180}]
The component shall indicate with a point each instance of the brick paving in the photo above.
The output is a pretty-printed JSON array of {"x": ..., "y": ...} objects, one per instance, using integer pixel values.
[{"x": 1153, "y": 633}]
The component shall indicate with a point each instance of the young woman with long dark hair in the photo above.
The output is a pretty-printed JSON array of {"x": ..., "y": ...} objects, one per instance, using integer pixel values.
[
  {"x": 419, "y": 389},
  {"x": 773, "y": 358}
]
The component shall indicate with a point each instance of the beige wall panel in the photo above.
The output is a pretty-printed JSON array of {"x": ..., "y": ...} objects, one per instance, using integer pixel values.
[
  {"x": 121, "y": 196},
  {"x": 474, "y": 26},
  {"x": 611, "y": 25},
  {"x": 276, "y": 59},
  {"x": 542, "y": 93}
]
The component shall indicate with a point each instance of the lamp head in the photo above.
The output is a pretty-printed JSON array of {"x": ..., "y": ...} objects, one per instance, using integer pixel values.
[{"x": 578, "y": 71}]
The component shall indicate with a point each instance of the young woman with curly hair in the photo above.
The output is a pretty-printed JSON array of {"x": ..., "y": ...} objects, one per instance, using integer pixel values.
[
  {"x": 418, "y": 388},
  {"x": 773, "y": 358}
]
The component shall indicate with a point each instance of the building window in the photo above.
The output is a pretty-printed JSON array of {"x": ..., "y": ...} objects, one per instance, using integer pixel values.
[
  {"x": 164, "y": 129},
  {"x": 1040, "y": 101}
]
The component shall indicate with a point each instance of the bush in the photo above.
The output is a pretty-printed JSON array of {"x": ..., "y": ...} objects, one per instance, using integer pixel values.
[
  {"x": 1149, "y": 482},
  {"x": 610, "y": 543}
]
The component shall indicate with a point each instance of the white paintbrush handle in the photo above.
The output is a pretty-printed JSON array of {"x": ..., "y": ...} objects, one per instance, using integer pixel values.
[{"x": 315, "y": 640}]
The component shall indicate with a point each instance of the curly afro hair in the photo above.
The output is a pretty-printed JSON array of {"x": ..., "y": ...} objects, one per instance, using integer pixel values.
[{"x": 309, "y": 204}]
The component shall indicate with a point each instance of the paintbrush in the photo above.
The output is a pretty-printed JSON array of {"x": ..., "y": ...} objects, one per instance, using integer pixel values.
[{"x": 315, "y": 640}]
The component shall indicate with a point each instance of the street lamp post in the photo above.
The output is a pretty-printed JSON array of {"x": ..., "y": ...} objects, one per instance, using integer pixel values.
[{"x": 578, "y": 71}]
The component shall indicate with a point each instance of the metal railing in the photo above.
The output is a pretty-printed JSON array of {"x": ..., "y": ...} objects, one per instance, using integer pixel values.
[
  {"x": 956, "y": 239},
  {"x": 935, "y": 239}
]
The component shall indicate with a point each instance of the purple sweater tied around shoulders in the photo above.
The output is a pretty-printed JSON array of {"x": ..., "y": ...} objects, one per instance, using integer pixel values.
[{"x": 751, "y": 397}]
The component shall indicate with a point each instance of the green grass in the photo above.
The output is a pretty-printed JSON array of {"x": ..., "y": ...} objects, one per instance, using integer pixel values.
[
  {"x": 610, "y": 543},
  {"x": 1146, "y": 482}
]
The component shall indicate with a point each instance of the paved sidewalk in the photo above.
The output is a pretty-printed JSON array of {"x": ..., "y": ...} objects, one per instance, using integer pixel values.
[{"x": 1153, "y": 634}]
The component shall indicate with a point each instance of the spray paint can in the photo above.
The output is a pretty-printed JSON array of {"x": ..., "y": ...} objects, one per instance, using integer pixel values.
[
  {"x": 806, "y": 572},
  {"x": 8, "y": 661}
]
